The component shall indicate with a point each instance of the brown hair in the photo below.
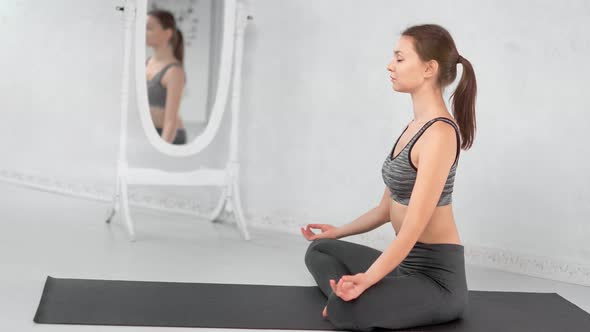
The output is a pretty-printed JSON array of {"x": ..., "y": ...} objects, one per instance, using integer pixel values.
[
  {"x": 167, "y": 21},
  {"x": 433, "y": 42}
]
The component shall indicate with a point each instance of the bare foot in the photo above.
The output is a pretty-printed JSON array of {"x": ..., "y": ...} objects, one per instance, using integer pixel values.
[{"x": 325, "y": 312}]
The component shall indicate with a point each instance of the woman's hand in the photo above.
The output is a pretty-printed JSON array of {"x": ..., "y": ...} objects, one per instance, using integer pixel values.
[
  {"x": 349, "y": 287},
  {"x": 328, "y": 231}
]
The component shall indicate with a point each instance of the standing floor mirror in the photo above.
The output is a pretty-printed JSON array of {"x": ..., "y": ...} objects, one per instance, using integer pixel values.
[{"x": 185, "y": 51}]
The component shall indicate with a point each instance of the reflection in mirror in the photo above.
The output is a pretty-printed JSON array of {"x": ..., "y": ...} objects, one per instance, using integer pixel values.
[{"x": 177, "y": 67}]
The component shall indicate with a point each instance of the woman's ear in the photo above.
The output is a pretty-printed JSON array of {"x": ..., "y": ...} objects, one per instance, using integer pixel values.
[
  {"x": 431, "y": 68},
  {"x": 169, "y": 34}
]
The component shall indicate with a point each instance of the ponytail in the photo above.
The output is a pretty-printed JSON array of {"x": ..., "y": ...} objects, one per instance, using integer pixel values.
[
  {"x": 464, "y": 103},
  {"x": 178, "y": 45}
]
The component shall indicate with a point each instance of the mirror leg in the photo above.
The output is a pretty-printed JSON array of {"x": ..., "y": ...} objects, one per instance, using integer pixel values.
[
  {"x": 238, "y": 212},
  {"x": 217, "y": 211},
  {"x": 116, "y": 197},
  {"x": 125, "y": 208}
]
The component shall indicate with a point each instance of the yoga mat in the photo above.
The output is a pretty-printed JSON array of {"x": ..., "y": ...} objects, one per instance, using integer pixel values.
[{"x": 249, "y": 306}]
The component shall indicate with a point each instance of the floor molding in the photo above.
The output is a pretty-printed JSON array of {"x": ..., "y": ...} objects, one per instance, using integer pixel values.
[
  {"x": 500, "y": 259},
  {"x": 95, "y": 193}
]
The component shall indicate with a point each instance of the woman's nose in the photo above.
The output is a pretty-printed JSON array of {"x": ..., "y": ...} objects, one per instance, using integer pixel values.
[{"x": 390, "y": 66}]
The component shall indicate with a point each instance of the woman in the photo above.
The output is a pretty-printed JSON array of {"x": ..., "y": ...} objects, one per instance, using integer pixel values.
[
  {"x": 420, "y": 278},
  {"x": 165, "y": 75}
]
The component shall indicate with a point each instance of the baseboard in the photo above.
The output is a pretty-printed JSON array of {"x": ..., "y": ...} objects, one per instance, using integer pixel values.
[
  {"x": 95, "y": 193},
  {"x": 537, "y": 266}
]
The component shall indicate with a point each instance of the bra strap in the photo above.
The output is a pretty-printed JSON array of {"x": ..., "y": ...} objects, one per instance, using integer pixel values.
[{"x": 427, "y": 125}]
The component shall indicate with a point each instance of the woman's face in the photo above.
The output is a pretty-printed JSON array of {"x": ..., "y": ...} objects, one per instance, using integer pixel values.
[
  {"x": 407, "y": 71},
  {"x": 154, "y": 34}
]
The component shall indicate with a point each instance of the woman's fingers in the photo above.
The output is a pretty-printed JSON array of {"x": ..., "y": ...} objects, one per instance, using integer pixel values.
[
  {"x": 334, "y": 287},
  {"x": 341, "y": 288},
  {"x": 307, "y": 233},
  {"x": 344, "y": 284},
  {"x": 304, "y": 234}
]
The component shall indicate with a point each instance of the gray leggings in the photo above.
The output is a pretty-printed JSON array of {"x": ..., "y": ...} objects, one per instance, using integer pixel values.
[
  {"x": 180, "y": 136},
  {"x": 428, "y": 287}
]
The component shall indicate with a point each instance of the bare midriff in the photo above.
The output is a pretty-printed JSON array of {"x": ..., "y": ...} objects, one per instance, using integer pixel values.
[
  {"x": 441, "y": 227},
  {"x": 158, "y": 117}
]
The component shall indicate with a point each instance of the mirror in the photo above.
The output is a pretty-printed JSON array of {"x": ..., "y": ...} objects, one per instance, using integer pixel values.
[{"x": 183, "y": 64}]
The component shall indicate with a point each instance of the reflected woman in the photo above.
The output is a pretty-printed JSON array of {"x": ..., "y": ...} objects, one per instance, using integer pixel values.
[{"x": 165, "y": 75}]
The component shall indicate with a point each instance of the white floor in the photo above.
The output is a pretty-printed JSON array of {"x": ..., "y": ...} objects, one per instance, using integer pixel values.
[{"x": 65, "y": 237}]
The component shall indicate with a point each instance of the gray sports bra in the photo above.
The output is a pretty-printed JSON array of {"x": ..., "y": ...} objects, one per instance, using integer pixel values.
[
  {"x": 155, "y": 90},
  {"x": 399, "y": 173}
]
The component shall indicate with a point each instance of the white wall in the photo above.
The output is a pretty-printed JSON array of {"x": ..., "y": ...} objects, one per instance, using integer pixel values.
[{"x": 315, "y": 82}]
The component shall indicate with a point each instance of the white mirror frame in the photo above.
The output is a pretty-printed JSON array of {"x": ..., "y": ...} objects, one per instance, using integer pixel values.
[
  {"x": 228, "y": 177},
  {"x": 221, "y": 95}
]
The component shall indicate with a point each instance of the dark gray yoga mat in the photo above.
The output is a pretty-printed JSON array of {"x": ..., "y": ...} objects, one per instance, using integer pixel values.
[{"x": 212, "y": 305}]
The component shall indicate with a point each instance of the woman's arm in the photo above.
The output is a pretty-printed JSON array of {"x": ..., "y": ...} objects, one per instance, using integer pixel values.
[
  {"x": 173, "y": 81},
  {"x": 370, "y": 220}
]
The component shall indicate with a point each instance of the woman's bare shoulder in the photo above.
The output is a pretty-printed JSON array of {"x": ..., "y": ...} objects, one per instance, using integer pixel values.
[{"x": 174, "y": 74}]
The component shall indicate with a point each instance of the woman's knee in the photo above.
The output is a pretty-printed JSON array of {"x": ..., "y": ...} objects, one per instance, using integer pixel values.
[{"x": 312, "y": 248}]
